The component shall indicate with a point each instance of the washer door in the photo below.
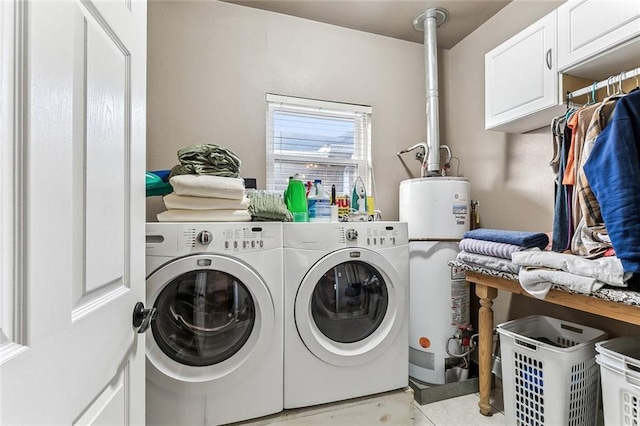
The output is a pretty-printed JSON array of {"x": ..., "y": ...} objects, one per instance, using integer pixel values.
[
  {"x": 215, "y": 319},
  {"x": 350, "y": 307}
]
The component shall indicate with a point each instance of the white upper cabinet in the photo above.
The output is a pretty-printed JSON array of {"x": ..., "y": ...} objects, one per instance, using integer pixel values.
[
  {"x": 588, "y": 28},
  {"x": 521, "y": 79}
]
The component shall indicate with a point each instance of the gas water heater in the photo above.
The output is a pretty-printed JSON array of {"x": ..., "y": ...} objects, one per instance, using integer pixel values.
[{"x": 436, "y": 210}]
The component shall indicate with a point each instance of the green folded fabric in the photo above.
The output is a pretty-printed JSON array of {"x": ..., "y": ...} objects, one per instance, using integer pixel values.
[
  {"x": 267, "y": 206},
  {"x": 207, "y": 159}
]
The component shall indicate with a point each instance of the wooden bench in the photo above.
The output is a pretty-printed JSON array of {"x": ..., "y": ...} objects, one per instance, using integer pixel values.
[{"x": 487, "y": 286}]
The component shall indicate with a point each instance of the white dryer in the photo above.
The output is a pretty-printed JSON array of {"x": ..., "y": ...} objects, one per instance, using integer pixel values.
[
  {"x": 346, "y": 310},
  {"x": 215, "y": 349}
]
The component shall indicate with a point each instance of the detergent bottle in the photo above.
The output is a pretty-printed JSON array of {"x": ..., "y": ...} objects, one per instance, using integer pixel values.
[
  {"x": 295, "y": 197},
  {"x": 319, "y": 203}
]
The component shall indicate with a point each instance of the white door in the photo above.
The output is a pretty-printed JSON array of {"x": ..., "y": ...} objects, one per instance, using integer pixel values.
[{"x": 73, "y": 141}]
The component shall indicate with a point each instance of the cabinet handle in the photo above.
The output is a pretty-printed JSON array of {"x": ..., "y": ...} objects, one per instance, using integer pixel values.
[{"x": 549, "y": 58}]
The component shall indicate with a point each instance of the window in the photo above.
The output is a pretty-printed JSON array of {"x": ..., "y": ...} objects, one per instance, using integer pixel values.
[{"x": 317, "y": 140}]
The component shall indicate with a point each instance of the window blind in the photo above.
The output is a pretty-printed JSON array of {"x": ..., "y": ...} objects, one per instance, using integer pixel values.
[{"x": 317, "y": 140}]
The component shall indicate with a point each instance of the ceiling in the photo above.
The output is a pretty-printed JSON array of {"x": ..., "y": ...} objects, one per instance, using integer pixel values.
[{"x": 392, "y": 18}]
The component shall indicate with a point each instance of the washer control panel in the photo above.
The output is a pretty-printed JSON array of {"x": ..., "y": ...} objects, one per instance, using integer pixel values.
[
  {"x": 235, "y": 239},
  {"x": 185, "y": 238}
]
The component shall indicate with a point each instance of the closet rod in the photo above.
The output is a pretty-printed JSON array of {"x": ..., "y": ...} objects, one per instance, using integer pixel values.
[{"x": 609, "y": 81}]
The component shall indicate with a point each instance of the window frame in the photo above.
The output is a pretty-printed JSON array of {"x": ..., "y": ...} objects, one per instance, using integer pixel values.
[{"x": 359, "y": 114}]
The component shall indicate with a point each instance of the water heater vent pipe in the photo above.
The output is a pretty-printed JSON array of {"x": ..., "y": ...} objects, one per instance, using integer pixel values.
[{"x": 428, "y": 21}]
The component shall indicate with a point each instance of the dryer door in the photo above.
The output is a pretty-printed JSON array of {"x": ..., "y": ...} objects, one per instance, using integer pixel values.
[
  {"x": 350, "y": 306},
  {"x": 215, "y": 320}
]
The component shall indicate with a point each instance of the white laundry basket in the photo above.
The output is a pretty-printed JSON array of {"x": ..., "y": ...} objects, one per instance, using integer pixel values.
[
  {"x": 549, "y": 373},
  {"x": 619, "y": 361}
]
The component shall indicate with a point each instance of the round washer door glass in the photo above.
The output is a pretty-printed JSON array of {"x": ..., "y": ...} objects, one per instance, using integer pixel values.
[
  {"x": 204, "y": 317},
  {"x": 349, "y": 302}
]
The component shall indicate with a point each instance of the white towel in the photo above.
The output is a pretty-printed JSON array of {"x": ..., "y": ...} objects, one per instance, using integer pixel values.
[
  {"x": 175, "y": 201},
  {"x": 490, "y": 262},
  {"x": 204, "y": 216},
  {"x": 538, "y": 282},
  {"x": 605, "y": 269},
  {"x": 208, "y": 186}
]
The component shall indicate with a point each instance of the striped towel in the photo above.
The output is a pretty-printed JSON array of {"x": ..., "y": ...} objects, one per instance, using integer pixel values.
[{"x": 489, "y": 248}]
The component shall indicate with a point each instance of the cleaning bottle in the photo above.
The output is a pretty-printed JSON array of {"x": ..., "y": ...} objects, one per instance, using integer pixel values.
[
  {"x": 319, "y": 203},
  {"x": 295, "y": 197}
]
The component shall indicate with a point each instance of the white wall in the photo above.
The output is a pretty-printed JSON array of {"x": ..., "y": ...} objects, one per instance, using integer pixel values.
[
  {"x": 211, "y": 63},
  {"x": 510, "y": 174}
]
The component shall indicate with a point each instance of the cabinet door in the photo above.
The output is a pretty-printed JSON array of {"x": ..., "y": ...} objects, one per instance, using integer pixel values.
[
  {"x": 587, "y": 28},
  {"x": 521, "y": 79}
]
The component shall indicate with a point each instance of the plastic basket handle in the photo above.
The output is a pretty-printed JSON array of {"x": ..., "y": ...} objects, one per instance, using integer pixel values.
[
  {"x": 572, "y": 328},
  {"x": 632, "y": 366},
  {"x": 632, "y": 379},
  {"x": 526, "y": 343}
]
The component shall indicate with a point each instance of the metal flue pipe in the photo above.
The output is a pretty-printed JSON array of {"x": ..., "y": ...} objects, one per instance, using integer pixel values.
[{"x": 429, "y": 21}]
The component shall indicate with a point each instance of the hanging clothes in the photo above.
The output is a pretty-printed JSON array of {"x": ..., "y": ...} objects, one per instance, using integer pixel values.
[
  {"x": 561, "y": 217},
  {"x": 591, "y": 238},
  {"x": 613, "y": 173},
  {"x": 579, "y": 124}
]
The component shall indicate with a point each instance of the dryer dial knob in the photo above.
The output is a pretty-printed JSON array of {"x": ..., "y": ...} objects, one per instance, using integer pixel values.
[
  {"x": 205, "y": 238},
  {"x": 352, "y": 234}
]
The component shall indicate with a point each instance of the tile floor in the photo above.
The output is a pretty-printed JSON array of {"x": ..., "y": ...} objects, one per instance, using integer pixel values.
[{"x": 460, "y": 411}]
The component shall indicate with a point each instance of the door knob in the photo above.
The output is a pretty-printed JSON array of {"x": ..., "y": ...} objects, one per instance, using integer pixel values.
[{"x": 142, "y": 317}]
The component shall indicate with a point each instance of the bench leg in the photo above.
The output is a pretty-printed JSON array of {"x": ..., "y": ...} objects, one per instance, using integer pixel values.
[{"x": 485, "y": 345}]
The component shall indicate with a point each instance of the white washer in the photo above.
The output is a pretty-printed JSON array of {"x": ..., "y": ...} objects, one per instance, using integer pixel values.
[
  {"x": 215, "y": 349},
  {"x": 346, "y": 310}
]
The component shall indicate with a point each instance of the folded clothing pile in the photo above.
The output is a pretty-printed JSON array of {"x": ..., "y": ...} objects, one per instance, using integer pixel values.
[
  {"x": 207, "y": 159},
  {"x": 206, "y": 198},
  {"x": 540, "y": 270},
  {"x": 206, "y": 187},
  {"x": 493, "y": 248}
]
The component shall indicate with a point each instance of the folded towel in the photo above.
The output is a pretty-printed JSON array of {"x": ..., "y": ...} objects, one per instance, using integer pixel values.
[
  {"x": 175, "y": 201},
  {"x": 489, "y": 248},
  {"x": 208, "y": 186},
  {"x": 517, "y": 238},
  {"x": 538, "y": 282},
  {"x": 605, "y": 269},
  {"x": 268, "y": 206},
  {"x": 490, "y": 262},
  {"x": 204, "y": 216}
]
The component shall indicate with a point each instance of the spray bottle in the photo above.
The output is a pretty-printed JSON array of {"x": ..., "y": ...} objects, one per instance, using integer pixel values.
[{"x": 319, "y": 203}]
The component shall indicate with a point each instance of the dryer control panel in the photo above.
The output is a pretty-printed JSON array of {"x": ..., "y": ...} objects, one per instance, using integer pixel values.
[
  {"x": 376, "y": 236},
  {"x": 332, "y": 236}
]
